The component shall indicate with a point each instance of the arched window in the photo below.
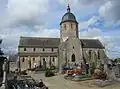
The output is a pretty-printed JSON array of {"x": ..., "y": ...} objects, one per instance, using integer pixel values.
[
  {"x": 53, "y": 59},
  {"x": 64, "y": 26},
  {"x": 33, "y": 59},
  {"x": 73, "y": 58},
  {"x": 98, "y": 55},
  {"x": 76, "y": 26},
  {"x": 23, "y": 59},
  {"x": 43, "y": 59},
  {"x": 25, "y": 49},
  {"x": 43, "y": 49},
  {"x": 90, "y": 51},
  {"x": 52, "y": 49},
  {"x": 29, "y": 63},
  {"x": 73, "y": 47},
  {"x": 34, "y": 49},
  {"x": 71, "y": 26}
]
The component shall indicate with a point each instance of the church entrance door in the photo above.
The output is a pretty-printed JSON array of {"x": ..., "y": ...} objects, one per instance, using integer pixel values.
[{"x": 73, "y": 58}]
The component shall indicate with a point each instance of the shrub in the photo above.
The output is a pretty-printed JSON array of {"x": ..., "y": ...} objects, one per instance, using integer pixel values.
[
  {"x": 93, "y": 68},
  {"x": 49, "y": 73},
  {"x": 101, "y": 75},
  {"x": 23, "y": 73},
  {"x": 52, "y": 67}
]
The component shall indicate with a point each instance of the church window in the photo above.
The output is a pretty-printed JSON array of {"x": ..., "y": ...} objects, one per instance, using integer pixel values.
[
  {"x": 90, "y": 54},
  {"x": 65, "y": 26},
  {"x": 76, "y": 26},
  {"x": 98, "y": 55},
  {"x": 71, "y": 25},
  {"x": 53, "y": 59},
  {"x": 52, "y": 49},
  {"x": 73, "y": 47},
  {"x": 33, "y": 59},
  {"x": 73, "y": 58},
  {"x": 43, "y": 49},
  {"x": 34, "y": 49},
  {"x": 25, "y": 49},
  {"x": 23, "y": 59},
  {"x": 43, "y": 59}
]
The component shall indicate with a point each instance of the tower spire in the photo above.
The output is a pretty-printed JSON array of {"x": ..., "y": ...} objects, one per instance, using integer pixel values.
[{"x": 68, "y": 8}]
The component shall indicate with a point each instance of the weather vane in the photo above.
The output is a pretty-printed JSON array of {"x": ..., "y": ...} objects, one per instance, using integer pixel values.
[
  {"x": 68, "y": 2},
  {"x": 68, "y": 9}
]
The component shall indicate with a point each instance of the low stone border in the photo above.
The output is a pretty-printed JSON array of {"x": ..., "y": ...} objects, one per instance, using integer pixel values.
[
  {"x": 102, "y": 83},
  {"x": 77, "y": 78},
  {"x": 68, "y": 77}
]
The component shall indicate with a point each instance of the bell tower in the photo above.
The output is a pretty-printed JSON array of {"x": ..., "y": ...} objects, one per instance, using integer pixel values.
[{"x": 68, "y": 26}]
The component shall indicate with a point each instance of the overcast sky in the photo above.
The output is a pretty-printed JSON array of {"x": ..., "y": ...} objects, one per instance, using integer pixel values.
[{"x": 97, "y": 19}]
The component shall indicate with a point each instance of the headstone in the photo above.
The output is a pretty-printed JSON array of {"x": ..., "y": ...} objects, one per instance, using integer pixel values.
[
  {"x": 117, "y": 70},
  {"x": 111, "y": 73},
  {"x": 105, "y": 68}
]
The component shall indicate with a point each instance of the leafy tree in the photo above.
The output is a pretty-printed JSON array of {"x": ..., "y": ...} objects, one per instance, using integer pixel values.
[
  {"x": 117, "y": 60},
  {"x": 1, "y": 60},
  {"x": 1, "y": 52},
  {"x": 2, "y": 57}
]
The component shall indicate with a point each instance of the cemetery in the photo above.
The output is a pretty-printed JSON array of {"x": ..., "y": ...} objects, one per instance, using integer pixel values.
[{"x": 104, "y": 74}]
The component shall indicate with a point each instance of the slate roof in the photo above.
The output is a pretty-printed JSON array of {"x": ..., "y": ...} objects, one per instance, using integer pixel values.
[
  {"x": 54, "y": 42},
  {"x": 68, "y": 16},
  {"x": 91, "y": 43},
  {"x": 38, "y": 42}
]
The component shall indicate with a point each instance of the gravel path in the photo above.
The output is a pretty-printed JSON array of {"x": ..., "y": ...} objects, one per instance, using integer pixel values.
[{"x": 58, "y": 82}]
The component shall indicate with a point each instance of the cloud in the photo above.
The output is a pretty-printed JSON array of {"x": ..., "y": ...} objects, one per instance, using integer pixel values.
[
  {"x": 83, "y": 25},
  {"x": 90, "y": 33},
  {"x": 39, "y": 18},
  {"x": 22, "y": 18},
  {"x": 94, "y": 20},
  {"x": 110, "y": 11},
  {"x": 25, "y": 12},
  {"x": 83, "y": 3},
  {"x": 65, "y": 2},
  {"x": 111, "y": 43},
  {"x": 11, "y": 40},
  {"x": 92, "y": 2}
]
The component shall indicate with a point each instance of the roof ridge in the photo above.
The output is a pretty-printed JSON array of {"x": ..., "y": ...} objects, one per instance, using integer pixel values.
[
  {"x": 40, "y": 37},
  {"x": 89, "y": 39}
]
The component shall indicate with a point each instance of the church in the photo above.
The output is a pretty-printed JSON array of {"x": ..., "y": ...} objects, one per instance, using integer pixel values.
[{"x": 59, "y": 52}]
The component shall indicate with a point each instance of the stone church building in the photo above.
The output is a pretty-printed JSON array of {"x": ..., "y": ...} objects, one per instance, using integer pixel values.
[{"x": 66, "y": 50}]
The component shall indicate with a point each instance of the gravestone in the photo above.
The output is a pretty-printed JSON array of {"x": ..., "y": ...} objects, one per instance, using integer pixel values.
[
  {"x": 117, "y": 70},
  {"x": 111, "y": 74}
]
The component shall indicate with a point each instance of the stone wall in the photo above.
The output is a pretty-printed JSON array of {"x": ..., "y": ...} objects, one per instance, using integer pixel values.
[
  {"x": 74, "y": 48},
  {"x": 37, "y": 50},
  {"x": 91, "y": 55},
  {"x": 24, "y": 61},
  {"x": 68, "y": 29}
]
